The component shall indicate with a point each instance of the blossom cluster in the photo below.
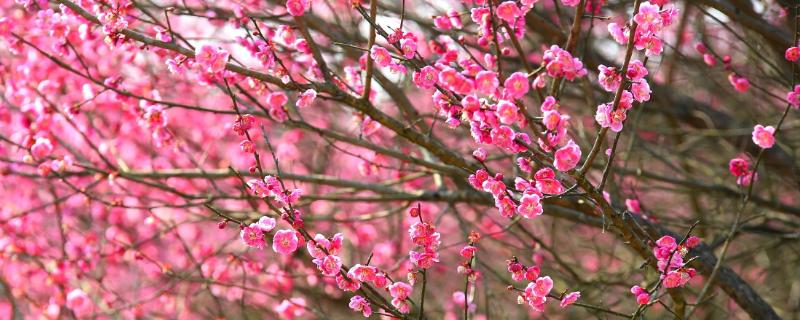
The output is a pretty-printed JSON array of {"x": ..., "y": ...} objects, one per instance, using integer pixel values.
[
  {"x": 671, "y": 260},
  {"x": 538, "y": 289},
  {"x": 424, "y": 235}
]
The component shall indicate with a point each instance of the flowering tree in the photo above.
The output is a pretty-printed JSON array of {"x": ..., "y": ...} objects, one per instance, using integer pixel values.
[{"x": 410, "y": 159}]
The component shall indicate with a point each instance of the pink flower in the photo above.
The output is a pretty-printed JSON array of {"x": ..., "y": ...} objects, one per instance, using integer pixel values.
[
  {"x": 692, "y": 242},
  {"x": 277, "y": 99},
  {"x": 247, "y": 146},
  {"x": 41, "y": 148},
  {"x": 211, "y": 59},
  {"x": 710, "y": 60},
  {"x": 402, "y": 305},
  {"x": 453, "y": 80},
  {"x": 570, "y": 3},
  {"x": 633, "y": 206},
  {"x": 330, "y": 265},
  {"x": 400, "y": 290},
  {"x": 652, "y": 44},
  {"x": 739, "y": 83},
  {"x": 79, "y": 302},
  {"x": 284, "y": 242},
  {"x": 567, "y": 157},
  {"x": 443, "y": 22},
  {"x": 359, "y": 303},
  {"x": 794, "y": 97},
  {"x": 636, "y": 71},
  {"x": 609, "y": 78},
  {"x": 675, "y": 279},
  {"x": 292, "y": 308},
  {"x": 641, "y": 91},
  {"x": 739, "y": 167},
  {"x": 424, "y": 259},
  {"x": 297, "y": 8},
  {"x": 648, "y": 17},
  {"x": 507, "y": 112},
  {"x": 607, "y": 118},
  {"x": 243, "y": 123},
  {"x": 792, "y": 54},
  {"x": 560, "y": 63},
  {"x": 486, "y": 82},
  {"x": 468, "y": 251},
  {"x": 540, "y": 288},
  {"x": 619, "y": 33},
  {"x": 253, "y": 236},
  {"x": 362, "y": 273},
  {"x": 516, "y": 86},
  {"x": 409, "y": 47},
  {"x": 570, "y": 298},
  {"x": 508, "y": 11},
  {"x": 546, "y": 182},
  {"x": 426, "y": 77},
  {"x": 381, "y": 56},
  {"x": 764, "y": 136},
  {"x": 549, "y": 104},
  {"x": 643, "y": 298},
  {"x": 530, "y": 206},
  {"x": 306, "y": 98},
  {"x": 480, "y": 154},
  {"x": 667, "y": 242},
  {"x": 266, "y": 224}
]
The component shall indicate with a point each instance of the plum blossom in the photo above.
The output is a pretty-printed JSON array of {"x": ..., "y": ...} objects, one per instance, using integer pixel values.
[
  {"x": 360, "y": 304},
  {"x": 211, "y": 59},
  {"x": 560, "y": 63},
  {"x": 648, "y": 18},
  {"x": 508, "y": 11},
  {"x": 516, "y": 86},
  {"x": 329, "y": 265},
  {"x": 381, "y": 56},
  {"x": 253, "y": 235},
  {"x": 739, "y": 83},
  {"x": 642, "y": 296},
  {"x": 739, "y": 167},
  {"x": 486, "y": 82},
  {"x": 607, "y": 117},
  {"x": 507, "y": 112},
  {"x": 794, "y": 97},
  {"x": 41, "y": 148},
  {"x": 535, "y": 294},
  {"x": 570, "y": 298},
  {"x": 633, "y": 206},
  {"x": 306, "y": 98},
  {"x": 297, "y": 8},
  {"x": 409, "y": 47},
  {"x": 547, "y": 183},
  {"x": 284, "y": 241},
  {"x": 400, "y": 291},
  {"x": 763, "y": 136},
  {"x": 671, "y": 263},
  {"x": 424, "y": 235},
  {"x": 266, "y": 224},
  {"x": 530, "y": 206},
  {"x": 792, "y": 54},
  {"x": 362, "y": 273},
  {"x": 567, "y": 157},
  {"x": 79, "y": 302},
  {"x": 292, "y": 308}
]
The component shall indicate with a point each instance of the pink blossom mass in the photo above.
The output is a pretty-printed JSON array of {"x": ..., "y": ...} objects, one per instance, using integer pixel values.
[{"x": 399, "y": 159}]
